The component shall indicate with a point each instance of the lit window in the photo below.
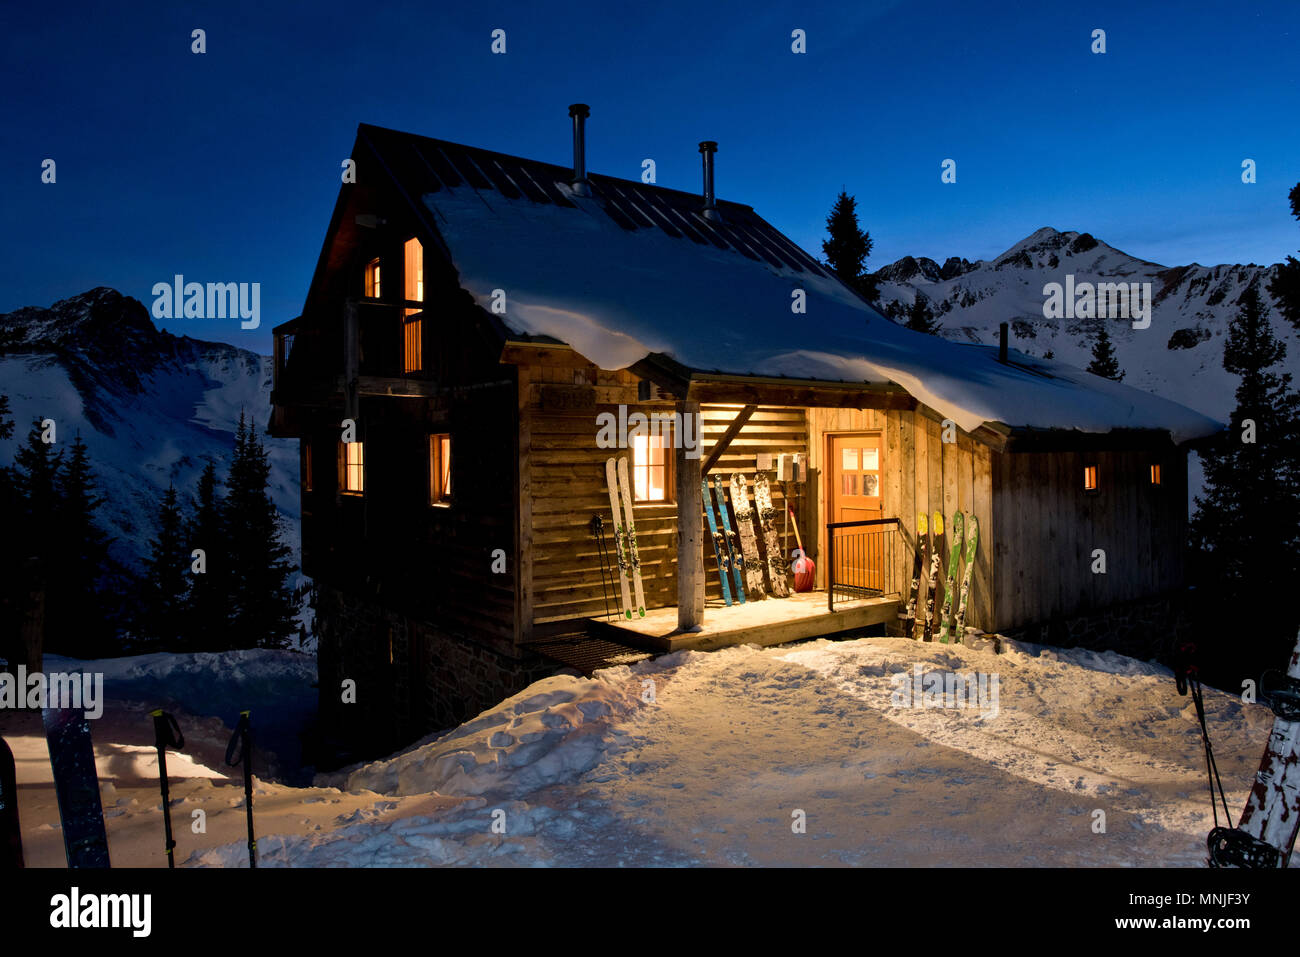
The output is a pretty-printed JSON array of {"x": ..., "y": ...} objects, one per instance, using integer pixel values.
[
  {"x": 651, "y": 468},
  {"x": 412, "y": 339},
  {"x": 1090, "y": 478},
  {"x": 439, "y": 469},
  {"x": 372, "y": 279},
  {"x": 351, "y": 467},
  {"x": 412, "y": 346},
  {"x": 306, "y": 466},
  {"x": 1155, "y": 474},
  {"x": 414, "y": 274}
]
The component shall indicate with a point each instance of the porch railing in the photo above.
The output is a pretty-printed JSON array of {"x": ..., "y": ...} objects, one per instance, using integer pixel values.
[{"x": 861, "y": 560}]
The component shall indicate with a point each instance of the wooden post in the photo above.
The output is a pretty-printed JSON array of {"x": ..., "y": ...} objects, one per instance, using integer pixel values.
[{"x": 690, "y": 533}]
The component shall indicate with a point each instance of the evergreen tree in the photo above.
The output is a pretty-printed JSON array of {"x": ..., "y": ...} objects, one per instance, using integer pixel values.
[
  {"x": 262, "y": 602},
  {"x": 1285, "y": 287},
  {"x": 1104, "y": 362},
  {"x": 1245, "y": 533},
  {"x": 37, "y": 471},
  {"x": 79, "y": 616},
  {"x": 920, "y": 318},
  {"x": 207, "y": 620},
  {"x": 163, "y": 615},
  {"x": 848, "y": 246}
]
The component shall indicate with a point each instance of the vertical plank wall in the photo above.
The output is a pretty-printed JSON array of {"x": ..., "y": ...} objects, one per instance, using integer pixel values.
[
  {"x": 1048, "y": 527},
  {"x": 918, "y": 472}
]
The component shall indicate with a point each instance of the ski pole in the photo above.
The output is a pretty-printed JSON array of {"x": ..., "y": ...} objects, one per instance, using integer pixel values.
[
  {"x": 166, "y": 734},
  {"x": 240, "y": 751}
]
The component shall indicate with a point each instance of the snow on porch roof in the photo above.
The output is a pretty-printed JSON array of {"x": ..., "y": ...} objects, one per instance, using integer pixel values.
[{"x": 634, "y": 269}]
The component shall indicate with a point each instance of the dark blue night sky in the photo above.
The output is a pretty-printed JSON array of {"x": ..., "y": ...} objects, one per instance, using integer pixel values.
[{"x": 225, "y": 166}]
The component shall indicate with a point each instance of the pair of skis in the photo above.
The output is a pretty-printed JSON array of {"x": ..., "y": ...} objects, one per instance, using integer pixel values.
[
  {"x": 753, "y": 520},
  {"x": 726, "y": 547},
  {"x": 929, "y": 542},
  {"x": 629, "y": 559}
]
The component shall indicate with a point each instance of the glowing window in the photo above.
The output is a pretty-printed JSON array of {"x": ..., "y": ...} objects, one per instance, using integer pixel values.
[
  {"x": 413, "y": 274},
  {"x": 439, "y": 469},
  {"x": 351, "y": 468},
  {"x": 372, "y": 279},
  {"x": 412, "y": 346},
  {"x": 1155, "y": 474},
  {"x": 306, "y": 467},
  {"x": 1090, "y": 478},
  {"x": 651, "y": 467}
]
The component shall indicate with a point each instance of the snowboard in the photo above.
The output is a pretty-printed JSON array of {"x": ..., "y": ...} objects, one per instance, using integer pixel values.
[
  {"x": 922, "y": 534},
  {"x": 719, "y": 544},
  {"x": 748, "y": 536},
  {"x": 972, "y": 541},
  {"x": 950, "y": 583},
  {"x": 733, "y": 543},
  {"x": 932, "y": 581},
  {"x": 629, "y": 522},
  {"x": 767, "y": 521},
  {"x": 1267, "y": 830},
  {"x": 624, "y": 582},
  {"x": 76, "y": 785},
  {"x": 11, "y": 838}
]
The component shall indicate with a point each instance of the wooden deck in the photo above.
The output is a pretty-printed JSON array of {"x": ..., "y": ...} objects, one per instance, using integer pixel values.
[{"x": 772, "y": 621}]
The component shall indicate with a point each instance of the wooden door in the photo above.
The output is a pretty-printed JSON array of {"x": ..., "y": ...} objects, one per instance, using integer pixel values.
[{"x": 854, "y": 486}]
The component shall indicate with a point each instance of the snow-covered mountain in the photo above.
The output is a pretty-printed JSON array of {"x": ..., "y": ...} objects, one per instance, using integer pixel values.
[
  {"x": 152, "y": 408},
  {"x": 1180, "y": 356}
]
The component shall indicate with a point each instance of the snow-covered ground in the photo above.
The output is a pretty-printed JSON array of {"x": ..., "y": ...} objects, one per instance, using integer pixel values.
[{"x": 694, "y": 758}]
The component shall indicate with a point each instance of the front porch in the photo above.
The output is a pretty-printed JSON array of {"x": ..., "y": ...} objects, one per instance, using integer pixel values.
[{"x": 771, "y": 621}]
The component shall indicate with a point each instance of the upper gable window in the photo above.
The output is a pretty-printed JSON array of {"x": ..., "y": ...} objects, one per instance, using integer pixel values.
[
  {"x": 413, "y": 283},
  {"x": 414, "y": 274},
  {"x": 372, "y": 279}
]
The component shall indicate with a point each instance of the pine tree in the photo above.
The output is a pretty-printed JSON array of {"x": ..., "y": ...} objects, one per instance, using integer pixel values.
[
  {"x": 206, "y": 624},
  {"x": 80, "y": 620},
  {"x": 920, "y": 318},
  {"x": 165, "y": 589},
  {"x": 262, "y": 602},
  {"x": 37, "y": 471},
  {"x": 1104, "y": 362},
  {"x": 848, "y": 246},
  {"x": 1285, "y": 287},
  {"x": 1245, "y": 533}
]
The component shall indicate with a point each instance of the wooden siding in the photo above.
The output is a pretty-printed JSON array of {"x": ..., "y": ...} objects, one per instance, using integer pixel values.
[
  {"x": 1048, "y": 528},
  {"x": 566, "y": 486},
  {"x": 918, "y": 472}
]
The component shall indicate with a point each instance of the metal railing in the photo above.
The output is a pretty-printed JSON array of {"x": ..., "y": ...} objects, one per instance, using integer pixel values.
[{"x": 861, "y": 560}]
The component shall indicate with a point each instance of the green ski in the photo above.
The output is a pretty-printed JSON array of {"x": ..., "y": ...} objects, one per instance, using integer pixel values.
[
  {"x": 972, "y": 540},
  {"x": 950, "y": 583}
]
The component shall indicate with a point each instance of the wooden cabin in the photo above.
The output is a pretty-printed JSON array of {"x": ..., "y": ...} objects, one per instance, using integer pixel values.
[{"x": 473, "y": 314}]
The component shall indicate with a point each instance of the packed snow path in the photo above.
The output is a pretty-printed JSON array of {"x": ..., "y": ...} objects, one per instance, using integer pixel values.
[{"x": 709, "y": 758}]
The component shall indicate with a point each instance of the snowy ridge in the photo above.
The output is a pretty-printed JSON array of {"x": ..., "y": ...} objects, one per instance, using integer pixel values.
[
  {"x": 1180, "y": 357},
  {"x": 152, "y": 408}
]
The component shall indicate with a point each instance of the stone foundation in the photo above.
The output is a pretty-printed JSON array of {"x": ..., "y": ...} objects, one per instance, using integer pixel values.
[{"x": 411, "y": 677}]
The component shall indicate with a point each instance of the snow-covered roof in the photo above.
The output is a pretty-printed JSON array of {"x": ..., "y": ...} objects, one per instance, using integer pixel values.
[{"x": 634, "y": 269}]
